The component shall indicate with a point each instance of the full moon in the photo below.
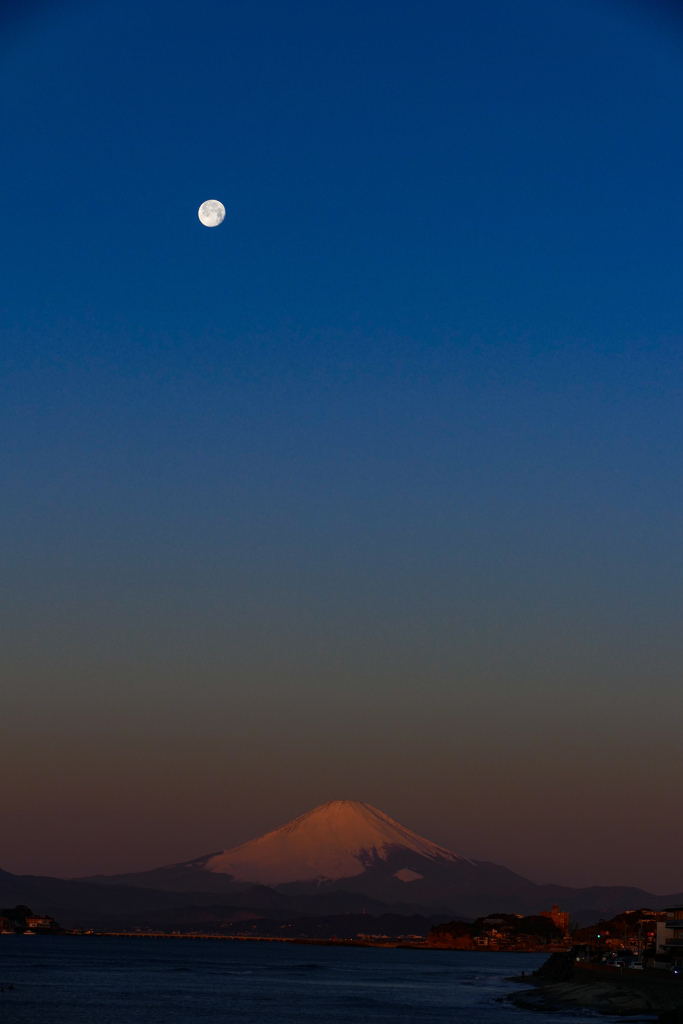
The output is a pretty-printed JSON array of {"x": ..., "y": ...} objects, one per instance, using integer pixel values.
[{"x": 211, "y": 213}]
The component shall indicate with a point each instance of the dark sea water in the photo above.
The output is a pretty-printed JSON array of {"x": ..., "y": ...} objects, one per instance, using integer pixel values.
[{"x": 89, "y": 980}]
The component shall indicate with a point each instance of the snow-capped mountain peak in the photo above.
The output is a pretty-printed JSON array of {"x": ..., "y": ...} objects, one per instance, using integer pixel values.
[{"x": 339, "y": 839}]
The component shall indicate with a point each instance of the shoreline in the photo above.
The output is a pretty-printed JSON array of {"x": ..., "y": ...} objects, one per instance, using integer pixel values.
[
  {"x": 387, "y": 943},
  {"x": 606, "y": 990}
]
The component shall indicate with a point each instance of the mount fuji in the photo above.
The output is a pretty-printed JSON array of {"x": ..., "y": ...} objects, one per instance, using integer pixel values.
[
  {"x": 338, "y": 840},
  {"x": 343, "y": 844}
]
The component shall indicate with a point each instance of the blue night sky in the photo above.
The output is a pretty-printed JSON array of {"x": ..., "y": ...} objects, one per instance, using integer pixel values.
[{"x": 375, "y": 491}]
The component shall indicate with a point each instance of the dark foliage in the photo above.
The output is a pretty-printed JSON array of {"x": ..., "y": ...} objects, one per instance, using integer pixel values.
[
  {"x": 17, "y": 914},
  {"x": 511, "y": 925}
]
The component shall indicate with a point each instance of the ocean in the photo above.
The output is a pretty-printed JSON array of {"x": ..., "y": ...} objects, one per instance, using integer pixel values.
[{"x": 90, "y": 980}]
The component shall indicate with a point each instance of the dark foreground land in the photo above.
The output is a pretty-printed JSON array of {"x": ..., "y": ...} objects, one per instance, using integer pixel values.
[{"x": 562, "y": 982}]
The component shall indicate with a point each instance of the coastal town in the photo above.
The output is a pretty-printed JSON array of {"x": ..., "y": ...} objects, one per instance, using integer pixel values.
[{"x": 635, "y": 939}]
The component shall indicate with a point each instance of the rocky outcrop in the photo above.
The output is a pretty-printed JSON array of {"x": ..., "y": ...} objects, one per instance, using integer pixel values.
[
  {"x": 558, "y": 967},
  {"x": 561, "y": 981}
]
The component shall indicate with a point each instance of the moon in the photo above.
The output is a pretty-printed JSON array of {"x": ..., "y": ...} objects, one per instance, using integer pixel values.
[{"x": 211, "y": 213}]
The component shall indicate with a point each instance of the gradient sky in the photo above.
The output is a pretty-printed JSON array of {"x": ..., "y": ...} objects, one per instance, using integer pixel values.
[{"x": 374, "y": 492}]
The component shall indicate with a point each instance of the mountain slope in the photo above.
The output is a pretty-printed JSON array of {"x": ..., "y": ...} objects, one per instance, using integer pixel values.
[{"x": 339, "y": 839}]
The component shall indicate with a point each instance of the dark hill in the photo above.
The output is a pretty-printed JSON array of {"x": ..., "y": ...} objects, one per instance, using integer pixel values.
[{"x": 86, "y": 905}]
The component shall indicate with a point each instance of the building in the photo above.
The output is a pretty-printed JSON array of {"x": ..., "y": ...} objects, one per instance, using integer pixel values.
[
  {"x": 560, "y": 918},
  {"x": 40, "y": 924},
  {"x": 670, "y": 932}
]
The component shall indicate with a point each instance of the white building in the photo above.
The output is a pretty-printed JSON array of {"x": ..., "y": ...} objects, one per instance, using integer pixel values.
[{"x": 670, "y": 932}]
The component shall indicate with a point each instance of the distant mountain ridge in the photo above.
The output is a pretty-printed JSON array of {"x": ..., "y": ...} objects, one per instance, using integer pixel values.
[
  {"x": 350, "y": 845},
  {"x": 344, "y": 857},
  {"x": 89, "y": 905}
]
